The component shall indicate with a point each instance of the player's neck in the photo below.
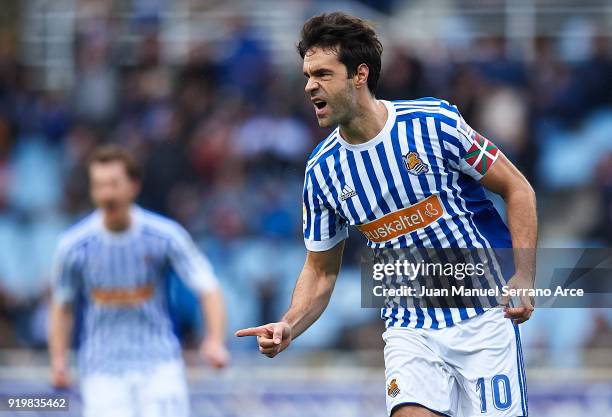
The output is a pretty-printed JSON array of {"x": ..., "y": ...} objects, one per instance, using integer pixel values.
[
  {"x": 118, "y": 225},
  {"x": 369, "y": 120}
]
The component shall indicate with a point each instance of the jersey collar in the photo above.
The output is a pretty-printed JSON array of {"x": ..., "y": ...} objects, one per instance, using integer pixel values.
[
  {"x": 376, "y": 139},
  {"x": 132, "y": 230}
]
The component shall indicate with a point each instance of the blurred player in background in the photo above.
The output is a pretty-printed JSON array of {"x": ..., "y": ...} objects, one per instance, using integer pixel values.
[
  {"x": 129, "y": 360},
  {"x": 418, "y": 160}
]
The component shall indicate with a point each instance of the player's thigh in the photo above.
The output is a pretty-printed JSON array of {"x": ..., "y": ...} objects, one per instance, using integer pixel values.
[
  {"x": 490, "y": 368},
  {"x": 163, "y": 391},
  {"x": 107, "y": 395},
  {"x": 418, "y": 380}
]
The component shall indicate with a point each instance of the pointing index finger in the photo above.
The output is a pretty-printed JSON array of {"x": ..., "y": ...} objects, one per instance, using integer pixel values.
[{"x": 252, "y": 331}]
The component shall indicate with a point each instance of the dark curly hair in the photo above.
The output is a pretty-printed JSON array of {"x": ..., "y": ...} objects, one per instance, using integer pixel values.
[{"x": 353, "y": 39}]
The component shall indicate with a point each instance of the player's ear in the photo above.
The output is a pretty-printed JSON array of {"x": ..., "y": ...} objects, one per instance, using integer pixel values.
[{"x": 361, "y": 76}]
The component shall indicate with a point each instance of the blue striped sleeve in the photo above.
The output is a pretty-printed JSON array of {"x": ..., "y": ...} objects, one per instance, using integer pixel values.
[
  {"x": 323, "y": 227},
  {"x": 467, "y": 150},
  {"x": 189, "y": 262},
  {"x": 65, "y": 275}
]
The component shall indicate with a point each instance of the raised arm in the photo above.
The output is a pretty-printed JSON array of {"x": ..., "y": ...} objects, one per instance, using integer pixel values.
[{"x": 311, "y": 295}]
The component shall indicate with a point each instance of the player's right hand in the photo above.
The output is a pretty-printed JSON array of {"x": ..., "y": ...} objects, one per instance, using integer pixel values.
[
  {"x": 272, "y": 338},
  {"x": 60, "y": 377}
]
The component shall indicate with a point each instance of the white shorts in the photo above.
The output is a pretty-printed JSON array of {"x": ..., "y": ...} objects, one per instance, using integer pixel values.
[
  {"x": 160, "y": 392},
  {"x": 472, "y": 369}
]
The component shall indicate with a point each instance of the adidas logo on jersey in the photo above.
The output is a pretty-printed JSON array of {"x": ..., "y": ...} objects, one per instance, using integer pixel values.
[{"x": 347, "y": 192}]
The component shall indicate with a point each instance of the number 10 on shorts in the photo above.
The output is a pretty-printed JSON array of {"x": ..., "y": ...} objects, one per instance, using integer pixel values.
[{"x": 501, "y": 395}]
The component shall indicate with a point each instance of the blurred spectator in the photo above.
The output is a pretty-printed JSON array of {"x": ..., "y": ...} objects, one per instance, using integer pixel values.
[
  {"x": 405, "y": 78},
  {"x": 246, "y": 68},
  {"x": 599, "y": 342},
  {"x": 95, "y": 89},
  {"x": 603, "y": 226}
]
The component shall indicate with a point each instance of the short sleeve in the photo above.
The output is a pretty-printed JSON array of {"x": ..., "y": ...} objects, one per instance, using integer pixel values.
[
  {"x": 473, "y": 154},
  {"x": 65, "y": 274},
  {"x": 189, "y": 262},
  {"x": 323, "y": 227}
]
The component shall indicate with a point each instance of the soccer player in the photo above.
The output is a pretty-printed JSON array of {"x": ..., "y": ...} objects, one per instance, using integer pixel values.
[
  {"x": 129, "y": 360},
  {"x": 389, "y": 159}
]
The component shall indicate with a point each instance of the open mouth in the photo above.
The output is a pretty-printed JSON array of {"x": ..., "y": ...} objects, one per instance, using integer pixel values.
[
  {"x": 110, "y": 206},
  {"x": 320, "y": 104}
]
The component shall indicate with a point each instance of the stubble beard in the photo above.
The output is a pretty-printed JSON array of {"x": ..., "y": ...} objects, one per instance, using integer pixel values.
[{"x": 344, "y": 107}]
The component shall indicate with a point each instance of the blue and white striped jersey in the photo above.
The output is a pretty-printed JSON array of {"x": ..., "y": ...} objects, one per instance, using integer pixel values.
[
  {"x": 414, "y": 185},
  {"x": 122, "y": 278}
]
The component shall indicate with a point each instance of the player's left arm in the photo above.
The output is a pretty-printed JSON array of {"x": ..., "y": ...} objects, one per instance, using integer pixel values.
[
  {"x": 505, "y": 179},
  {"x": 197, "y": 272}
]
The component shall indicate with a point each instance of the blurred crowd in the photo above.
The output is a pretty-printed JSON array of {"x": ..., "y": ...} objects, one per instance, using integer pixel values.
[{"x": 224, "y": 135}]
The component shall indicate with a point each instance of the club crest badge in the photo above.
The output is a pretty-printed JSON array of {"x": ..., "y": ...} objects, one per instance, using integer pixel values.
[
  {"x": 414, "y": 164},
  {"x": 392, "y": 388}
]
